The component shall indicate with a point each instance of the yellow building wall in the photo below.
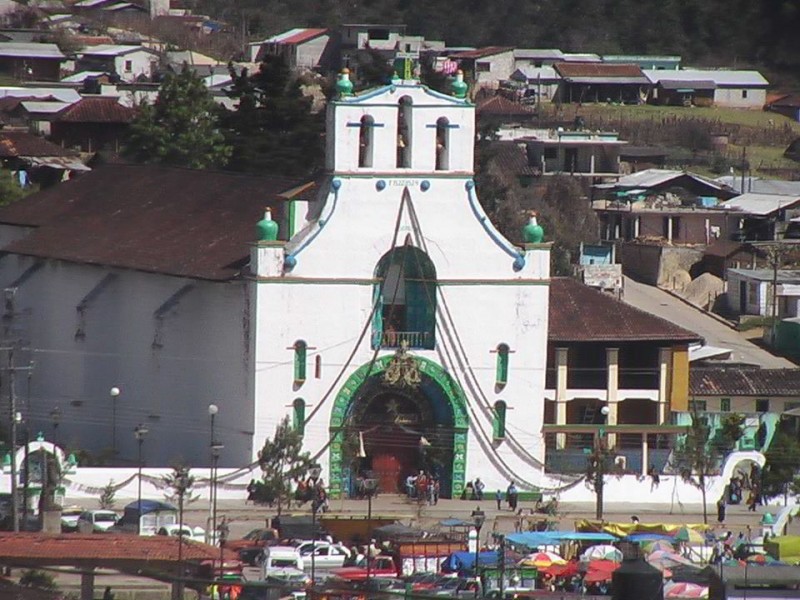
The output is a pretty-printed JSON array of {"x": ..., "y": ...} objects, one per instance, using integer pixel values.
[{"x": 679, "y": 381}]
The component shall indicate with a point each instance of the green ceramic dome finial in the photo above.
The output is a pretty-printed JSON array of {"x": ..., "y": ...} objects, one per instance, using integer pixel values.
[
  {"x": 459, "y": 86},
  {"x": 533, "y": 233},
  {"x": 266, "y": 228},
  {"x": 344, "y": 86}
]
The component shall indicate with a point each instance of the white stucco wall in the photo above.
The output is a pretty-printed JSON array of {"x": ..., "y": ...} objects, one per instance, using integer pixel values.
[
  {"x": 142, "y": 63},
  {"x": 733, "y": 97},
  {"x": 200, "y": 356},
  {"x": 328, "y": 295}
]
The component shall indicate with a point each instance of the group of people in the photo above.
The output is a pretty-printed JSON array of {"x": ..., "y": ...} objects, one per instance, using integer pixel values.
[
  {"x": 742, "y": 487},
  {"x": 474, "y": 490},
  {"x": 423, "y": 487}
]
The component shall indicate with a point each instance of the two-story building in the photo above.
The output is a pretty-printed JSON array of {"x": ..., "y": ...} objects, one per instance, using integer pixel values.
[{"x": 603, "y": 353}]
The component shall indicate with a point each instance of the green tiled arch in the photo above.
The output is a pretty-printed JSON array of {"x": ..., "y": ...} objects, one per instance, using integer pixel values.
[{"x": 452, "y": 391}]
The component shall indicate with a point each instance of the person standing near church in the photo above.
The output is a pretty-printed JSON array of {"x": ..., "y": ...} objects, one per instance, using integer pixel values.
[{"x": 511, "y": 496}]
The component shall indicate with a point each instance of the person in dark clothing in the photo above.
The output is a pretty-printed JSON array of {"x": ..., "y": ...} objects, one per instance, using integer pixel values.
[
  {"x": 108, "y": 595},
  {"x": 721, "y": 510}
]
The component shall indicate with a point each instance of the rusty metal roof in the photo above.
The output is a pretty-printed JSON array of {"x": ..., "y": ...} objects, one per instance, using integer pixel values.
[
  {"x": 744, "y": 381},
  {"x": 599, "y": 70},
  {"x": 579, "y": 313},
  {"x": 15, "y": 144},
  {"x": 158, "y": 219},
  {"x": 101, "y": 109},
  {"x": 105, "y": 549},
  {"x": 481, "y": 52}
]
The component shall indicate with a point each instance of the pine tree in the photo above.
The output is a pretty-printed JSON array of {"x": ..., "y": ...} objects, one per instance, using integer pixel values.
[
  {"x": 272, "y": 129},
  {"x": 180, "y": 128},
  {"x": 282, "y": 461}
]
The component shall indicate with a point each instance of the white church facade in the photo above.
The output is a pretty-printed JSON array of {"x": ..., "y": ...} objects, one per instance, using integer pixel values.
[
  {"x": 398, "y": 328},
  {"x": 392, "y": 323}
]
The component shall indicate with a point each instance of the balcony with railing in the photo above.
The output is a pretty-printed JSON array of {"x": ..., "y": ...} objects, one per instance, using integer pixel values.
[{"x": 409, "y": 339}]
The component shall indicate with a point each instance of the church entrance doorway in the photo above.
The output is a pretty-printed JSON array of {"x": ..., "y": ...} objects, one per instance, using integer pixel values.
[{"x": 394, "y": 418}]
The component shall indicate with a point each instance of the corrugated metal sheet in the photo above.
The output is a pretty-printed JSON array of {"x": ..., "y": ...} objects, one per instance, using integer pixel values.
[
  {"x": 576, "y": 70},
  {"x": 33, "y": 50},
  {"x": 761, "y": 204},
  {"x": 726, "y": 78}
]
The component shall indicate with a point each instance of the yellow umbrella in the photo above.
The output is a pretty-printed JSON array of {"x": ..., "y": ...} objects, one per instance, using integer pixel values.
[
  {"x": 691, "y": 536},
  {"x": 541, "y": 560}
]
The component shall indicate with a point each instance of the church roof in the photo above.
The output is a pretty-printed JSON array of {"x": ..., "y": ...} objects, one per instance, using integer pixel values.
[
  {"x": 167, "y": 220},
  {"x": 579, "y": 313}
]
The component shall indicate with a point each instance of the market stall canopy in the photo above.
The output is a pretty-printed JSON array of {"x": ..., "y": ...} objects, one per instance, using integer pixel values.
[{"x": 534, "y": 539}]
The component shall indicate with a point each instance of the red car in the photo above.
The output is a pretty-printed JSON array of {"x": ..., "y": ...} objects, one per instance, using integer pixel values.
[
  {"x": 381, "y": 567},
  {"x": 252, "y": 545}
]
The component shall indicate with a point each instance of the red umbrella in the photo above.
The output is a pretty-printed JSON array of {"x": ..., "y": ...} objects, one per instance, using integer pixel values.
[
  {"x": 567, "y": 570},
  {"x": 600, "y": 570}
]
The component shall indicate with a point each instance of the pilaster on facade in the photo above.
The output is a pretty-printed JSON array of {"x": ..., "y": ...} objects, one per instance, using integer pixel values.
[
  {"x": 562, "y": 357},
  {"x": 664, "y": 368},
  {"x": 612, "y": 390}
]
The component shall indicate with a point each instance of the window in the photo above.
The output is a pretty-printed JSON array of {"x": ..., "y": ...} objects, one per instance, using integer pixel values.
[
  {"x": 697, "y": 406},
  {"x": 365, "y": 141},
  {"x": 725, "y": 404},
  {"x": 550, "y": 153},
  {"x": 483, "y": 67},
  {"x": 744, "y": 93},
  {"x": 442, "y": 144},
  {"x": 128, "y": 66},
  {"x": 499, "y": 421},
  {"x": 318, "y": 367},
  {"x": 404, "y": 132},
  {"x": 299, "y": 415},
  {"x": 300, "y": 352},
  {"x": 501, "y": 375},
  {"x": 404, "y": 300},
  {"x": 762, "y": 405}
]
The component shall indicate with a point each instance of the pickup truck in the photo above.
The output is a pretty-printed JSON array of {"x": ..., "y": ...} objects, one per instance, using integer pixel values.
[{"x": 381, "y": 567}]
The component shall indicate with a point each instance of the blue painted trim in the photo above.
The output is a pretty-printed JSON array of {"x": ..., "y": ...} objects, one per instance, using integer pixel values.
[
  {"x": 290, "y": 261},
  {"x": 448, "y": 126},
  {"x": 499, "y": 240},
  {"x": 366, "y": 124}
]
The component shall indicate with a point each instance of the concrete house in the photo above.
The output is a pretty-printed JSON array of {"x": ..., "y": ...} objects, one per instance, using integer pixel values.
[
  {"x": 129, "y": 62},
  {"x": 581, "y": 153},
  {"x": 766, "y": 217},
  {"x": 300, "y": 48},
  {"x": 750, "y": 292},
  {"x": 738, "y": 89},
  {"x": 488, "y": 66}
]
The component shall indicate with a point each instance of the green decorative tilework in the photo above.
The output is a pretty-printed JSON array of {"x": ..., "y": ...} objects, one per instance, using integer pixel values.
[{"x": 434, "y": 371}]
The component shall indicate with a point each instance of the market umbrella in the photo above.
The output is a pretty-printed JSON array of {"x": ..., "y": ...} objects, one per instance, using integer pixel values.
[
  {"x": 683, "y": 589},
  {"x": 602, "y": 552},
  {"x": 561, "y": 570},
  {"x": 653, "y": 546},
  {"x": 600, "y": 570},
  {"x": 541, "y": 559},
  {"x": 685, "y": 534},
  {"x": 662, "y": 559}
]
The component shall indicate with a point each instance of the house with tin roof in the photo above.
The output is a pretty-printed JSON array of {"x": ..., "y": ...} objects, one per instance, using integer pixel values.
[
  {"x": 766, "y": 217},
  {"x": 601, "y": 82},
  {"x": 732, "y": 88},
  {"x": 787, "y": 105},
  {"x": 301, "y": 48},
  {"x": 130, "y": 63},
  {"x": 31, "y": 61}
]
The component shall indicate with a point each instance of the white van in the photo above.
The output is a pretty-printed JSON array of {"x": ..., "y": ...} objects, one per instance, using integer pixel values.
[{"x": 281, "y": 562}]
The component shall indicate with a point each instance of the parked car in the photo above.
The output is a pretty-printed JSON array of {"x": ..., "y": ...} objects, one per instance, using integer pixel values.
[
  {"x": 69, "y": 518},
  {"x": 380, "y": 567},
  {"x": 251, "y": 545},
  {"x": 282, "y": 562},
  {"x": 326, "y": 555},
  {"x": 196, "y": 534},
  {"x": 97, "y": 521}
]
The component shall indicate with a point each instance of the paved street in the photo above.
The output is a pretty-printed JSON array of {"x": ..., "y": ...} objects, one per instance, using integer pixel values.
[{"x": 666, "y": 306}]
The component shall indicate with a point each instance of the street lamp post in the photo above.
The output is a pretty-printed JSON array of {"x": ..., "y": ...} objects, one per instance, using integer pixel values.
[
  {"x": 114, "y": 392},
  {"x": 478, "y": 519},
  {"x": 182, "y": 484},
  {"x": 222, "y": 535},
  {"x": 314, "y": 472},
  {"x": 55, "y": 417},
  {"x": 139, "y": 433},
  {"x": 600, "y": 466},
  {"x": 370, "y": 486},
  {"x": 213, "y": 409}
]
